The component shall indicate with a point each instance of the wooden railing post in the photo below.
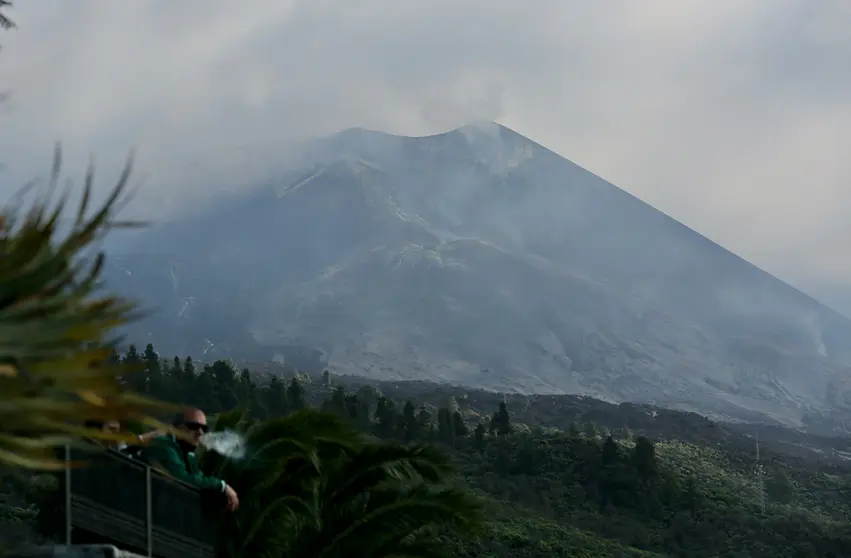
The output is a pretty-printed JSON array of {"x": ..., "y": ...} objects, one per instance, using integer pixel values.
[{"x": 149, "y": 513}]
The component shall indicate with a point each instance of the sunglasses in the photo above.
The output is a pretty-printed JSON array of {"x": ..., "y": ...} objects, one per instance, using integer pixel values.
[{"x": 196, "y": 426}]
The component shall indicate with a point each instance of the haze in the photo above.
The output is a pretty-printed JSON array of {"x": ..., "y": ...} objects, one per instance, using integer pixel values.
[{"x": 733, "y": 117}]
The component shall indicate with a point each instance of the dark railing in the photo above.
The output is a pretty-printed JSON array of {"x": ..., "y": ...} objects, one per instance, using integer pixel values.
[{"x": 120, "y": 500}]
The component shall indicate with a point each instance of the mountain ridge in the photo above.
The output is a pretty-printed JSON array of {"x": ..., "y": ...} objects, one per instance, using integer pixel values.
[
  {"x": 505, "y": 129},
  {"x": 481, "y": 257}
]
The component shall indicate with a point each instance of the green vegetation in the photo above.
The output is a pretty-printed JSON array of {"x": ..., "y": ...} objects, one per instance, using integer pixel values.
[
  {"x": 316, "y": 489},
  {"x": 609, "y": 482},
  {"x": 56, "y": 331}
]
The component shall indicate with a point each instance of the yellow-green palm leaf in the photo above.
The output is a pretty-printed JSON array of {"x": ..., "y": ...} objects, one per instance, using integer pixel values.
[{"x": 57, "y": 329}]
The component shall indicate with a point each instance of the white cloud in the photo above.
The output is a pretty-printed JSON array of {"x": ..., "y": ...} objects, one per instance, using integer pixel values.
[{"x": 732, "y": 116}]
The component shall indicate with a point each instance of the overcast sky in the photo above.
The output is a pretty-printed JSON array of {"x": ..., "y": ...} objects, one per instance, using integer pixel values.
[{"x": 734, "y": 116}]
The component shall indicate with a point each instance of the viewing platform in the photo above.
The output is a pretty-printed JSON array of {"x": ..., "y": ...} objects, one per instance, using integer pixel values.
[{"x": 120, "y": 501}]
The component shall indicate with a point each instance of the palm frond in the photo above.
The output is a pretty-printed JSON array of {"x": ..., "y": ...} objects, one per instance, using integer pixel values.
[
  {"x": 377, "y": 499},
  {"x": 5, "y": 22},
  {"x": 379, "y": 463},
  {"x": 275, "y": 480},
  {"x": 286, "y": 509},
  {"x": 311, "y": 487},
  {"x": 393, "y": 514},
  {"x": 56, "y": 329},
  {"x": 231, "y": 420},
  {"x": 320, "y": 426}
]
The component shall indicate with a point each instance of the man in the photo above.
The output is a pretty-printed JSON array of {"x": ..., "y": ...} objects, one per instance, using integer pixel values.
[
  {"x": 177, "y": 455},
  {"x": 111, "y": 426}
]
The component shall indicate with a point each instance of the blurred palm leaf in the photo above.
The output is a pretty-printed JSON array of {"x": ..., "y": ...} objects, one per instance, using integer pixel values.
[
  {"x": 274, "y": 479},
  {"x": 57, "y": 330},
  {"x": 383, "y": 500},
  {"x": 5, "y": 22},
  {"x": 310, "y": 487}
]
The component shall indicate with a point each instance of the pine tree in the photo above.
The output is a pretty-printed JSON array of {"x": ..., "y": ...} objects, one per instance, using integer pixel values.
[
  {"x": 187, "y": 379},
  {"x": 295, "y": 395},
  {"x": 646, "y": 469},
  {"x": 424, "y": 423},
  {"x": 150, "y": 356},
  {"x": 138, "y": 372},
  {"x": 224, "y": 376},
  {"x": 458, "y": 426},
  {"x": 386, "y": 417},
  {"x": 337, "y": 403},
  {"x": 276, "y": 398},
  {"x": 500, "y": 422},
  {"x": 644, "y": 460},
  {"x": 189, "y": 367},
  {"x": 573, "y": 431},
  {"x": 452, "y": 405},
  {"x": 610, "y": 473},
  {"x": 354, "y": 408},
  {"x": 410, "y": 430},
  {"x": 114, "y": 359},
  {"x": 445, "y": 428},
  {"x": 479, "y": 436},
  {"x": 132, "y": 362},
  {"x": 224, "y": 372},
  {"x": 205, "y": 392},
  {"x": 611, "y": 453},
  {"x": 246, "y": 391},
  {"x": 153, "y": 370},
  {"x": 692, "y": 496},
  {"x": 368, "y": 396},
  {"x": 779, "y": 487}
]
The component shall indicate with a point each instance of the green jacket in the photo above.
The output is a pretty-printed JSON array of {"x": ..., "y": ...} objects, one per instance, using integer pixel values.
[{"x": 164, "y": 452}]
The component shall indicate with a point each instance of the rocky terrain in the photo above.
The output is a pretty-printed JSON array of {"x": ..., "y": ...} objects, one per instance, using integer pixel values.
[{"x": 479, "y": 257}]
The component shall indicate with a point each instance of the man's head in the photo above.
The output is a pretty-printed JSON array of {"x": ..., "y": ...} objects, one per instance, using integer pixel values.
[
  {"x": 193, "y": 422},
  {"x": 111, "y": 426},
  {"x": 106, "y": 426}
]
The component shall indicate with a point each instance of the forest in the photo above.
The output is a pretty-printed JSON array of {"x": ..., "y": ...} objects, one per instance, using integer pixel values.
[{"x": 493, "y": 479}]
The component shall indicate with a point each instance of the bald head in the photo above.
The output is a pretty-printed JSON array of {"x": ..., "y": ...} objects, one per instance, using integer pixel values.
[{"x": 193, "y": 422}]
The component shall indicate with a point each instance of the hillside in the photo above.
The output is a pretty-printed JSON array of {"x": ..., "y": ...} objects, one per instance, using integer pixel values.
[
  {"x": 615, "y": 481},
  {"x": 480, "y": 258}
]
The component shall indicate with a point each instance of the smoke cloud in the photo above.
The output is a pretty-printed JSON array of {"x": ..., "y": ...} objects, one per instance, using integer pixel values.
[
  {"x": 226, "y": 443},
  {"x": 732, "y": 116}
]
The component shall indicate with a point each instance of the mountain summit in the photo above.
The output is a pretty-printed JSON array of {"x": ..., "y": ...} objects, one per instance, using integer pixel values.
[{"x": 482, "y": 258}]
